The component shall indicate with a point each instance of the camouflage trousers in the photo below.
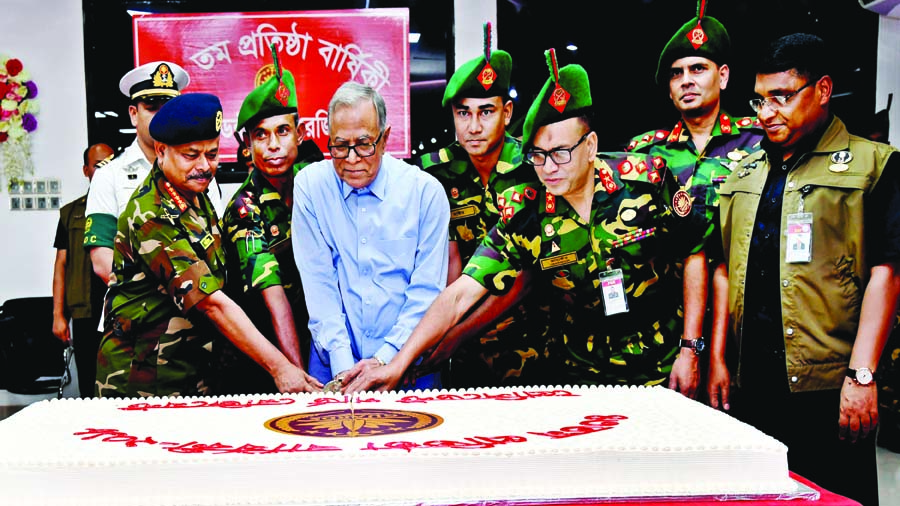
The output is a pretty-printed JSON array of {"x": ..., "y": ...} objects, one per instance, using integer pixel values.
[
  {"x": 642, "y": 355},
  {"x": 508, "y": 355}
]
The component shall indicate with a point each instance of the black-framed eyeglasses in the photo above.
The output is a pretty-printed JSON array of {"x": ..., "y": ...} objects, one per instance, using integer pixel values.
[
  {"x": 559, "y": 156},
  {"x": 362, "y": 150},
  {"x": 778, "y": 101}
]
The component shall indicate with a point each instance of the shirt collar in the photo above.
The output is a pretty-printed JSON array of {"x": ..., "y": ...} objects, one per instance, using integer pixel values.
[{"x": 376, "y": 187}]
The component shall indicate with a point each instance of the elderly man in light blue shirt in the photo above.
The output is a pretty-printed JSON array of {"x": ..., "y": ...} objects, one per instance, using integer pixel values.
[{"x": 370, "y": 240}]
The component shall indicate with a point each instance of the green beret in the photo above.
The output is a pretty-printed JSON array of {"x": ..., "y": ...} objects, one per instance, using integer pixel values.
[
  {"x": 475, "y": 80},
  {"x": 269, "y": 99},
  {"x": 187, "y": 118},
  {"x": 712, "y": 42},
  {"x": 551, "y": 105}
]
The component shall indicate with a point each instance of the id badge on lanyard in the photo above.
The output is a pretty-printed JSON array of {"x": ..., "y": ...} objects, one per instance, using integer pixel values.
[
  {"x": 799, "y": 238},
  {"x": 612, "y": 284}
]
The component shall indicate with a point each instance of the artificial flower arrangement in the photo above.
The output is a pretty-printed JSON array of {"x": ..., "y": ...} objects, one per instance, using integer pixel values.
[{"x": 17, "y": 119}]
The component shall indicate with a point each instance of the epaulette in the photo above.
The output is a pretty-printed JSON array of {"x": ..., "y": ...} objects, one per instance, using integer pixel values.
[
  {"x": 749, "y": 163},
  {"x": 243, "y": 204},
  {"x": 438, "y": 157},
  {"x": 637, "y": 167},
  {"x": 514, "y": 199},
  {"x": 648, "y": 139},
  {"x": 747, "y": 122}
]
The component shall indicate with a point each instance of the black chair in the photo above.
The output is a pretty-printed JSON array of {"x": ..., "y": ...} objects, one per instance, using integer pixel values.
[{"x": 32, "y": 359}]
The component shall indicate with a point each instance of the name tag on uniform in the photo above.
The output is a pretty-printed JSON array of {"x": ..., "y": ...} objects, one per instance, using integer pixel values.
[
  {"x": 558, "y": 261},
  {"x": 612, "y": 284},
  {"x": 463, "y": 212},
  {"x": 799, "y": 238}
]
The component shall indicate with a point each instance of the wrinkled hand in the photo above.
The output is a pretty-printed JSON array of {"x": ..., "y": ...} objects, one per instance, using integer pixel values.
[
  {"x": 369, "y": 377},
  {"x": 718, "y": 385},
  {"x": 859, "y": 410},
  {"x": 61, "y": 329},
  {"x": 685, "y": 376},
  {"x": 293, "y": 379}
]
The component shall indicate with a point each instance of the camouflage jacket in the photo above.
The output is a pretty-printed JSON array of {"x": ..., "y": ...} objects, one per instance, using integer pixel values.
[
  {"x": 503, "y": 353},
  {"x": 257, "y": 224},
  {"x": 629, "y": 228},
  {"x": 168, "y": 257},
  {"x": 473, "y": 207},
  {"x": 700, "y": 174}
]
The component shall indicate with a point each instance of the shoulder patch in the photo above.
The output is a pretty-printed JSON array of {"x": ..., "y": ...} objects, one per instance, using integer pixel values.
[{"x": 438, "y": 157}]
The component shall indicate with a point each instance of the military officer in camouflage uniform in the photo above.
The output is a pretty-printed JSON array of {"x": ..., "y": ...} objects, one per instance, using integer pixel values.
[
  {"x": 701, "y": 150},
  {"x": 496, "y": 342},
  {"x": 594, "y": 238},
  {"x": 257, "y": 223},
  {"x": 165, "y": 301}
]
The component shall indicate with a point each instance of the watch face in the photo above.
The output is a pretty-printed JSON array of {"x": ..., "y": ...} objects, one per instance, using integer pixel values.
[
  {"x": 863, "y": 376},
  {"x": 699, "y": 345}
]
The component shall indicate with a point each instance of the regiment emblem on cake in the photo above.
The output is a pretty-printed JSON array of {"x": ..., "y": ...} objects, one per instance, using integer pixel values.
[{"x": 354, "y": 423}]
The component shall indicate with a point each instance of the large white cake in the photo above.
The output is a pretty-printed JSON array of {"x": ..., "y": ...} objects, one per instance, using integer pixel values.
[{"x": 511, "y": 444}]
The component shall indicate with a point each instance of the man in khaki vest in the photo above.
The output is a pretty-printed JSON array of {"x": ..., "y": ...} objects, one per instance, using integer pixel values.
[{"x": 811, "y": 233}]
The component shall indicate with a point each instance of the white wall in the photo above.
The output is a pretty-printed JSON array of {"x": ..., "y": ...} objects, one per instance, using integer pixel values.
[
  {"x": 47, "y": 37},
  {"x": 888, "y": 75}
]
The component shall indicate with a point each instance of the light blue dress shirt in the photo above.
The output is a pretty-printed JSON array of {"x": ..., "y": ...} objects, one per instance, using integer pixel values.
[{"x": 371, "y": 260}]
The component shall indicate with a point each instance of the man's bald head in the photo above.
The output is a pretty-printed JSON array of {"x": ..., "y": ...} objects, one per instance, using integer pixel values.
[{"x": 93, "y": 155}]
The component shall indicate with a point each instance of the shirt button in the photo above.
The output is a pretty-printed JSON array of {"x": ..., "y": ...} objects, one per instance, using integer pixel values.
[
  {"x": 784, "y": 283},
  {"x": 367, "y": 302},
  {"x": 790, "y": 332},
  {"x": 364, "y": 209},
  {"x": 794, "y": 379},
  {"x": 774, "y": 200},
  {"x": 363, "y": 240},
  {"x": 784, "y": 167},
  {"x": 791, "y": 184}
]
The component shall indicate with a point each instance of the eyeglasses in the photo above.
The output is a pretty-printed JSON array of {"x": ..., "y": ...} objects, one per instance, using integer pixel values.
[
  {"x": 559, "y": 156},
  {"x": 362, "y": 150},
  {"x": 777, "y": 101}
]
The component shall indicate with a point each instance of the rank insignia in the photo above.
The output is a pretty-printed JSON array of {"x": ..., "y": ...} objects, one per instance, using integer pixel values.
[
  {"x": 501, "y": 201},
  {"x": 646, "y": 138},
  {"x": 841, "y": 157},
  {"x": 516, "y": 197},
  {"x": 658, "y": 162},
  {"x": 530, "y": 193},
  {"x": 642, "y": 167},
  {"x": 550, "y": 203},
  {"x": 697, "y": 37},
  {"x": 661, "y": 134},
  {"x": 653, "y": 176},
  {"x": 681, "y": 203},
  {"x": 625, "y": 167},
  {"x": 608, "y": 182},
  {"x": 274, "y": 231},
  {"x": 218, "y": 121},
  {"x": 744, "y": 122},
  {"x": 454, "y": 193},
  {"x": 508, "y": 213},
  {"x": 206, "y": 241},
  {"x": 242, "y": 212},
  {"x": 744, "y": 173},
  {"x": 631, "y": 145},
  {"x": 676, "y": 133}
]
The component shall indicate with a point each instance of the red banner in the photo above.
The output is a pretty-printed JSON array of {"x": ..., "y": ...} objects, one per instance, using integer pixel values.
[{"x": 227, "y": 53}]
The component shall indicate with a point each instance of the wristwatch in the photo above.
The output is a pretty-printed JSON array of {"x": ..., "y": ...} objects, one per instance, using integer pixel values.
[
  {"x": 862, "y": 376},
  {"x": 698, "y": 345}
]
